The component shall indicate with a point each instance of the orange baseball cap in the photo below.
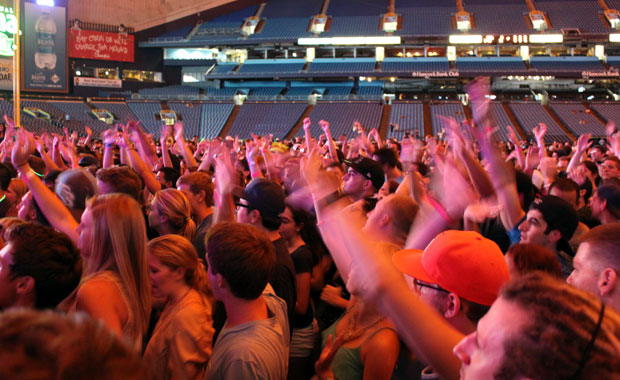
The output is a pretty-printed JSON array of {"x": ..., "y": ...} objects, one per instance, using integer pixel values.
[{"x": 462, "y": 262}]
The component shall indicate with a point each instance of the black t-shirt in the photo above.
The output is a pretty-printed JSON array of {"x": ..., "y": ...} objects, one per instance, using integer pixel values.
[
  {"x": 303, "y": 262},
  {"x": 283, "y": 279},
  {"x": 199, "y": 239}
]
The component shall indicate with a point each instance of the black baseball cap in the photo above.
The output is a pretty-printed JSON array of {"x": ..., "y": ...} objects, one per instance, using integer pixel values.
[
  {"x": 263, "y": 195},
  {"x": 370, "y": 169}
]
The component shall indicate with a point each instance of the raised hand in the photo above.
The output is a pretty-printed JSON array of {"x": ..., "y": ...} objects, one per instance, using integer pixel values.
[
  {"x": 324, "y": 126},
  {"x": 89, "y": 132},
  {"x": 164, "y": 131},
  {"x": 539, "y": 133},
  {"x": 109, "y": 137},
  {"x": 23, "y": 149},
  {"x": 583, "y": 142},
  {"x": 178, "y": 131},
  {"x": 610, "y": 128},
  {"x": 532, "y": 159},
  {"x": 307, "y": 123}
]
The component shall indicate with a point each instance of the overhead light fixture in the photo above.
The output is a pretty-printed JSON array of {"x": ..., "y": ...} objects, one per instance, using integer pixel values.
[
  {"x": 546, "y": 38},
  {"x": 381, "y": 40},
  {"x": 465, "y": 39}
]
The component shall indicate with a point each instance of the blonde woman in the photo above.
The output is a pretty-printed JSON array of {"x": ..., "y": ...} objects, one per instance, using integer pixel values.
[
  {"x": 180, "y": 346},
  {"x": 14, "y": 193},
  {"x": 171, "y": 213},
  {"x": 115, "y": 287}
]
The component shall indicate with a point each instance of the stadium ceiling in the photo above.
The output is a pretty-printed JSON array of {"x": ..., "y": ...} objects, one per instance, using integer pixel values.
[{"x": 145, "y": 14}]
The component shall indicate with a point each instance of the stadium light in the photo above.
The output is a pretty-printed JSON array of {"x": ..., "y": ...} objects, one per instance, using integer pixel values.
[
  {"x": 546, "y": 38},
  {"x": 49, "y": 3},
  {"x": 614, "y": 37},
  {"x": 383, "y": 40},
  {"x": 465, "y": 39}
]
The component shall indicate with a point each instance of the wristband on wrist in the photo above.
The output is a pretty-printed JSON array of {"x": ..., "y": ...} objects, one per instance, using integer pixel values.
[
  {"x": 441, "y": 210},
  {"x": 109, "y": 145},
  {"x": 330, "y": 198}
]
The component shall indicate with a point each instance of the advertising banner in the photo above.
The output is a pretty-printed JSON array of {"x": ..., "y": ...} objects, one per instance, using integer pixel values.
[
  {"x": 6, "y": 74},
  {"x": 89, "y": 44},
  {"x": 97, "y": 82},
  {"x": 44, "y": 48}
]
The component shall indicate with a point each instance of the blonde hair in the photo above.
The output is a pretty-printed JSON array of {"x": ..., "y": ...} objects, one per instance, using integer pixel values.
[
  {"x": 19, "y": 187},
  {"x": 118, "y": 243},
  {"x": 175, "y": 251},
  {"x": 175, "y": 205}
]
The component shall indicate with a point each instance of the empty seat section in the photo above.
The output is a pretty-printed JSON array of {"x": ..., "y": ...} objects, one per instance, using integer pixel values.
[
  {"x": 301, "y": 92},
  {"x": 583, "y": 15},
  {"x": 608, "y": 111},
  {"x": 191, "y": 115},
  {"x": 283, "y": 8},
  {"x": 499, "y": 120},
  {"x": 223, "y": 68},
  {"x": 276, "y": 66},
  {"x": 81, "y": 112},
  {"x": 170, "y": 92},
  {"x": 446, "y": 109},
  {"x": 348, "y": 66},
  {"x": 265, "y": 93},
  {"x": 57, "y": 115},
  {"x": 337, "y": 92},
  {"x": 495, "y": 17},
  {"x": 266, "y": 118},
  {"x": 145, "y": 112},
  {"x": 286, "y": 22},
  {"x": 406, "y": 118},
  {"x": 121, "y": 111},
  {"x": 530, "y": 114},
  {"x": 354, "y": 26},
  {"x": 229, "y": 23},
  {"x": 487, "y": 65},
  {"x": 370, "y": 92},
  {"x": 221, "y": 93},
  {"x": 214, "y": 117},
  {"x": 553, "y": 65},
  {"x": 410, "y": 65},
  {"x": 578, "y": 119},
  {"x": 426, "y": 17},
  {"x": 341, "y": 117}
]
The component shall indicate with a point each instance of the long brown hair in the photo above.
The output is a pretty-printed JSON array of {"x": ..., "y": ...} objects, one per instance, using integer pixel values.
[{"x": 119, "y": 245}]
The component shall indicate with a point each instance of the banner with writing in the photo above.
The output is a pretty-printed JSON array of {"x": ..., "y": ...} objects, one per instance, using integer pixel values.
[
  {"x": 6, "y": 74},
  {"x": 88, "y": 44},
  {"x": 44, "y": 48},
  {"x": 97, "y": 82}
]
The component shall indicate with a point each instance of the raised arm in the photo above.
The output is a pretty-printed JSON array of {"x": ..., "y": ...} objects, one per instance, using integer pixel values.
[
  {"x": 330, "y": 141},
  {"x": 188, "y": 157},
  {"x": 52, "y": 207}
]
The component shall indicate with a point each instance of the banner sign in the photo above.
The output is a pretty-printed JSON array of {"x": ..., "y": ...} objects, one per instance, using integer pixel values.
[
  {"x": 600, "y": 74},
  {"x": 97, "y": 82},
  {"x": 45, "y": 48},
  {"x": 88, "y": 44},
  {"x": 8, "y": 28},
  {"x": 434, "y": 74},
  {"x": 6, "y": 74}
]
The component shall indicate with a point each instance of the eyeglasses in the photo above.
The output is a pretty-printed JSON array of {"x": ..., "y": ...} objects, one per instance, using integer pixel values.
[
  {"x": 419, "y": 285},
  {"x": 238, "y": 204}
]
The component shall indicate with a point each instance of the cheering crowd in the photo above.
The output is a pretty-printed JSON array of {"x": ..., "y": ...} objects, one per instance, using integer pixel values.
[{"x": 162, "y": 257}]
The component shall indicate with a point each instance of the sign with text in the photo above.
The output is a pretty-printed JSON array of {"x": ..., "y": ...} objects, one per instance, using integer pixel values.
[
  {"x": 97, "y": 82},
  {"x": 44, "y": 48},
  {"x": 88, "y": 44},
  {"x": 6, "y": 74}
]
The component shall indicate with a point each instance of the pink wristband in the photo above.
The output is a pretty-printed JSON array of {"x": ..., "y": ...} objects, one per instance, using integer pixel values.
[{"x": 441, "y": 210}]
